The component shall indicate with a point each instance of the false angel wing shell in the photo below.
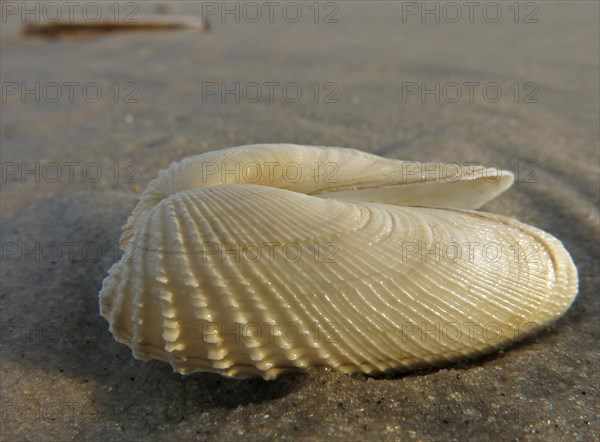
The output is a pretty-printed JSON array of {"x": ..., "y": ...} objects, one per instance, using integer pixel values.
[
  {"x": 252, "y": 280},
  {"x": 328, "y": 172}
]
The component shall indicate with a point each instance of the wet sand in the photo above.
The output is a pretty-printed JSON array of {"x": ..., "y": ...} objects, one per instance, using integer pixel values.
[{"x": 73, "y": 169}]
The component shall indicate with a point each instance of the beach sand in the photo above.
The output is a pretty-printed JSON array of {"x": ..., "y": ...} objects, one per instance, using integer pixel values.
[{"x": 72, "y": 170}]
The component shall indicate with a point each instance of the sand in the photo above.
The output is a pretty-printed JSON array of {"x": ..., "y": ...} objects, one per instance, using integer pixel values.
[{"x": 63, "y": 375}]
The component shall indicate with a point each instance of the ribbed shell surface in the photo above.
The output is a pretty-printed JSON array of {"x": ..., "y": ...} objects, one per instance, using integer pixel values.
[
  {"x": 252, "y": 280},
  {"x": 330, "y": 172}
]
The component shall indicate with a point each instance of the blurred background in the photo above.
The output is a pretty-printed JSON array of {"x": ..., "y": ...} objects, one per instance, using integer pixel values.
[{"x": 97, "y": 97}]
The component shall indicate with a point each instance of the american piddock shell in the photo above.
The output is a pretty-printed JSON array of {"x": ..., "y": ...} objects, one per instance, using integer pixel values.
[{"x": 243, "y": 278}]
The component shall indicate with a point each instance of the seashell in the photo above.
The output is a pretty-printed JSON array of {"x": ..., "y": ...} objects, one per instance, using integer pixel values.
[
  {"x": 222, "y": 274},
  {"x": 81, "y": 27},
  {"x": 327, "y": 172}
]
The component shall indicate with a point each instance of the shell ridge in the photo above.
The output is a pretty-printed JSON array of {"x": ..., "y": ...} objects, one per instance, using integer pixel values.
[{"x": 387, "y": 306}]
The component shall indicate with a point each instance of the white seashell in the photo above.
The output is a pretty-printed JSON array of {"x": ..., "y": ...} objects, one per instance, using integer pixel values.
[
  {"x": 252, "y": 280},
  {"x": 328, "y": 172}
]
